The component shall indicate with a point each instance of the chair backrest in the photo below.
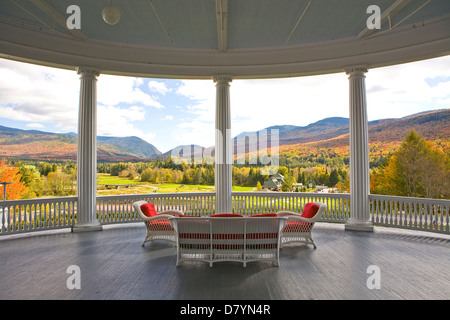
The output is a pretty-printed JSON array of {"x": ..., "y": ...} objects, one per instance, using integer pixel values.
[
  {"x": 308, "y": 211},
  {"x": 137, "y": 206},
  {"x": 228, "y": 233},
  {"x": 322, "y": 208}
]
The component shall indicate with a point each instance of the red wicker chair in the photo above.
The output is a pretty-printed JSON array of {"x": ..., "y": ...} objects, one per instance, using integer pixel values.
[
  {"x": 157, "y": 224},
  {"x": 299, "y": 226}
]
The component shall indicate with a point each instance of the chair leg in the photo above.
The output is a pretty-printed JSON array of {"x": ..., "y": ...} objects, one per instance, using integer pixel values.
[{"x": 313, "y": 243}]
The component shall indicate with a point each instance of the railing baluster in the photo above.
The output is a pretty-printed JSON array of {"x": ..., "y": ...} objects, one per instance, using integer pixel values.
[{"x": 53, "y": 213}]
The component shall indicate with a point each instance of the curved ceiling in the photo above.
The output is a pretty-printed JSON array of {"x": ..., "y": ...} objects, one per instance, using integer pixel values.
[{"x": 241, "y": 38}]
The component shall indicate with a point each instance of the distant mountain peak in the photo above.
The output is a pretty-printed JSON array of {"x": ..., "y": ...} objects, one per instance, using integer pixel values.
[{"x": 331, "y": 131}]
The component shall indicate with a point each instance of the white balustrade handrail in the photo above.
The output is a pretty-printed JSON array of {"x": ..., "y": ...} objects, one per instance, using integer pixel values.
[
  {"x": 411, "y": 213},
  {"x": 118, "y": 208},
  {"x": 29, "y": 215},
  {"x": 247, "y": 203}
]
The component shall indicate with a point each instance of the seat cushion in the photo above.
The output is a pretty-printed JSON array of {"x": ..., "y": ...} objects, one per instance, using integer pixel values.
[
  {"x": 310, "y": 210},
  {"x": 148, "y": 209},
  {"x": 226, "y": 215},
  {"x": 264, "y": 215}
]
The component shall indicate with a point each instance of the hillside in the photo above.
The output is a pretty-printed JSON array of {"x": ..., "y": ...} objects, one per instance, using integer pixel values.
[
  {"x": 432, "y": 125},
  {"x": 325, "y": 138},
  {"x": 384, "y": 137},
  {"x": 34, "y": 144}
]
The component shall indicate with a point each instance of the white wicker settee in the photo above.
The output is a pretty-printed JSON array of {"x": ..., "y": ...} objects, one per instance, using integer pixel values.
[{"x": 228, "y": 238}]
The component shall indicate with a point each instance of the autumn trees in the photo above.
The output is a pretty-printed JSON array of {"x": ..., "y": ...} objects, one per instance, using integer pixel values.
[
  {"x": 38, "y": 180},
  {"x": 416, "y": 169},
  {"x": 9, "y": 173}
]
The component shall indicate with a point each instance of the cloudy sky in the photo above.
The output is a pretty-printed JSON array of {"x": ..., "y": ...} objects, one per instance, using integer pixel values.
[{"x": 168, "y": 113}]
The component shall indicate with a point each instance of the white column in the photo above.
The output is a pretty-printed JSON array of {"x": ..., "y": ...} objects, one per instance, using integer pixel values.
[
  {"x": 223, "y": 150},
  {"x": 87, "y": 152},
  {"x": 359, "y": 153}
]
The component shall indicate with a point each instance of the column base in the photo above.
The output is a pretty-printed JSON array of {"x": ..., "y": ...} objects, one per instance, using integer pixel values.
[
  {"x": 359, "y": 225},
  {"x": 87, "y": 226}
]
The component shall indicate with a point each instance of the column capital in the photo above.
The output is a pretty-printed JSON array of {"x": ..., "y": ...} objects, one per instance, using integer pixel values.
[
  {"x": 361, "y": 69},
  {"x": 222, "y": 79},
  {"x": 88, "y": 71}
]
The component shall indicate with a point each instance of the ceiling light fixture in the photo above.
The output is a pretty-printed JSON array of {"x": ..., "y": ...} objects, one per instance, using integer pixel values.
[{"x": 111, "y": 14}]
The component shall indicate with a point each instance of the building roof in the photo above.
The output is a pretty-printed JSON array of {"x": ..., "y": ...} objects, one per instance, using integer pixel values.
[
  {"x": 270, "y": 184},
  {"x": 244, "y": 39},
  {"x": 277, "y": 176}
]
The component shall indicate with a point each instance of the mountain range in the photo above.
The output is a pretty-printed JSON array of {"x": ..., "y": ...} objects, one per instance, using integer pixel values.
[{"x": 326, "y": 133}]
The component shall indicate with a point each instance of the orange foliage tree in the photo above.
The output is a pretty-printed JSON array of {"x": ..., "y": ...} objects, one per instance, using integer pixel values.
[{"x": 9, "y": 173}]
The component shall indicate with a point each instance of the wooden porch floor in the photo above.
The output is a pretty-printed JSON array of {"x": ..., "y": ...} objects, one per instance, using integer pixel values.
[{"x": 114, "y": 265}]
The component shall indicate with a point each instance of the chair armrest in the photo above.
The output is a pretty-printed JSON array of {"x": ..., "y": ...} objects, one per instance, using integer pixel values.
[
  {"x": 175, "y": 213},
  {"x": 299, "y": 218},
  {"x": 162, "y": 215},
  {"x": 288, "y": 214}
]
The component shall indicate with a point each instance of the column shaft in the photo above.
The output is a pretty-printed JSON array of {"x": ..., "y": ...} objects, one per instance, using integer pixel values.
[
  {"x": 359, "y": 153},
  {"x": 223, "y": 152},
  {"x": 87, "y": 152}
]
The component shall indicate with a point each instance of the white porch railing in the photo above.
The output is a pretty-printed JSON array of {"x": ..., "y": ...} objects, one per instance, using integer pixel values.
[
  {"x": 248, "y": 203},
  {"x": 37, "y": 214},
  {"x": 18, "y": 216},
  {"x": 411, "y": 213},
  {"x": 119, "y": 209}
]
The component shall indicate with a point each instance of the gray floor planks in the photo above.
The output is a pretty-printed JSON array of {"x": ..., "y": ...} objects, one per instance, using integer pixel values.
[{"x": 113, "y": 265}]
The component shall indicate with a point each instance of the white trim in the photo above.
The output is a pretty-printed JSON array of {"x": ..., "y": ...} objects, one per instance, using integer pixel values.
[{"x": 403, "y": 44}]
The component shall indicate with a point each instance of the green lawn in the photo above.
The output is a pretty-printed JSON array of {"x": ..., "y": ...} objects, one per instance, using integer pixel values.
[
  {"x": 136, "y": 186},
  {"x": 104, "y": 178}
]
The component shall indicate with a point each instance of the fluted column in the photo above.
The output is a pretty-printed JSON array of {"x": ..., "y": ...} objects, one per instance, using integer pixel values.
[
  {"x": 87, "y": 152},
  {"x": 359, "y": 153},
  {"x": 223, "y": 152}
]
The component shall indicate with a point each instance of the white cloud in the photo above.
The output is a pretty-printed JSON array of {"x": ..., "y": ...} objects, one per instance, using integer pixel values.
[
  {"x": 116, "y": 121},
  {"x": 256, "y": 104},
  {"x": 35, "y": 125},
  {"x": 405, "y": 88},
  {"x": 159, "y": 87},
  {"x": 168, "y": 117},
  {"x": 41, "y": 95},
  {"x": 32, "y": 93},
  {"x": 193, "y": 132},
  {"x": 119, "y": 122},
  {"x": 113, "y": 90},
  {"x": 198, "y": 126},
  {"x": 37, "y": 94}
]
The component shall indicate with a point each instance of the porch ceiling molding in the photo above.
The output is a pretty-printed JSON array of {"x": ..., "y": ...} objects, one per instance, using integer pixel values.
[{"x": 409, "y": 43}]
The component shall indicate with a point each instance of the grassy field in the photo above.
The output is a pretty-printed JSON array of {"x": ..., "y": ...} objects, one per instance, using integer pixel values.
[{"x": 127, "y": 186}]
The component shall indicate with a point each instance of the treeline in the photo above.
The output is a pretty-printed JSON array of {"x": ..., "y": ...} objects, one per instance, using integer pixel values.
[
  {"x": 165, "y": 171},
  {"x": 417, "y": 168},
  {"x": 37, "y": 179},
  {"x": 43, "y": 179}
]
